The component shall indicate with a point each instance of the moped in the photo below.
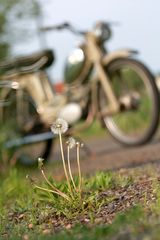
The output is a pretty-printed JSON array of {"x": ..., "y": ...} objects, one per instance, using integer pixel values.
[{"x": 111, "y": 87}]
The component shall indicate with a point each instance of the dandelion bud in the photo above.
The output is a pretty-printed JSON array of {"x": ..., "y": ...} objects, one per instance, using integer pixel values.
[
  {"x": 79, "y": 144},
  {"x": 40, "y": 163},
  {"x": 30, "y": 179}
]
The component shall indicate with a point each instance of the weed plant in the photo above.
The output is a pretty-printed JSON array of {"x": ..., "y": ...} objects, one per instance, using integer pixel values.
[{"x": 69, "y": 194}]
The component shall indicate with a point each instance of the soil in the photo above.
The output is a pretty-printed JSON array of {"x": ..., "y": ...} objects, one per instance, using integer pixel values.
[{"x": 124, "y": 198}]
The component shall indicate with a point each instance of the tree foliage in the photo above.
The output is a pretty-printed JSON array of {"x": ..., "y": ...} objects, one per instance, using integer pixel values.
[{"x": 12, "y": 13}]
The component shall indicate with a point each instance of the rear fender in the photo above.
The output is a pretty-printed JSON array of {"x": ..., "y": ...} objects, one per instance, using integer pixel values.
[{"x": 123, "y": 53}]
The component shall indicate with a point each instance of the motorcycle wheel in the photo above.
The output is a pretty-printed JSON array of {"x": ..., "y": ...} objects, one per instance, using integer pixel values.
[
  {"x": 16, "y": 129},
  {"x": 136, "y": 126}
]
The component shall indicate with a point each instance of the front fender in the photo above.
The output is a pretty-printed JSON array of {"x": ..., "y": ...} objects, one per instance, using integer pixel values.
[{"x": 122, "y": 53}]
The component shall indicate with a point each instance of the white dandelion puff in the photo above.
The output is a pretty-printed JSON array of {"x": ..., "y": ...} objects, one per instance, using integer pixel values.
[
  {"x": 71, "y": 142},
  {"x": 60, "y": 125}
]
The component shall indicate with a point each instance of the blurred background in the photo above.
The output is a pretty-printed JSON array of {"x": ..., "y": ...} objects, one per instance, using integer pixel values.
[{"x": 137, "y": 28}]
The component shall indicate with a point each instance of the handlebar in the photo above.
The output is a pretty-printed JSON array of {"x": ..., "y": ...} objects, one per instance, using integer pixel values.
[
  {"x": 72, "y": 29},
  {"x": 63, "y": 26},
  {"x": 56, "y": 27}
]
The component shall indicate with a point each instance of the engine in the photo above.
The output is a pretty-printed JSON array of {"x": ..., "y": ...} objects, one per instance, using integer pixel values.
[{"x": 71, "y": 112}]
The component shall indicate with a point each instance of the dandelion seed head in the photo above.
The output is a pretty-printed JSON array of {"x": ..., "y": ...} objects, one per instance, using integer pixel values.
[
  {"x": 71, "y": 142},
  {"x": 60, "y": 125}
]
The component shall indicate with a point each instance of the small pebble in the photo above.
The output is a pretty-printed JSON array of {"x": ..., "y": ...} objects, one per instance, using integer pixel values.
[
  {"x": 30, "y": 226},
  {"x": 46, "y": 231},
  {"x": 68, "y": 226},
  {"x": 25, "y": 237}
]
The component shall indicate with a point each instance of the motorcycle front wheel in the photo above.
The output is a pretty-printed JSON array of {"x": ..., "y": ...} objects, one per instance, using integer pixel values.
[
  {"x": 24, "y": 130},
  {"x": 134, "y": 126}
]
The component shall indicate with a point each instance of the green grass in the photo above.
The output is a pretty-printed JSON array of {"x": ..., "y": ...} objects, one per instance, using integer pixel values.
[
  {"x": 94, "y": 130},
  {"x": 139, "y": 119},
  {"x": 25, "y": 211}
]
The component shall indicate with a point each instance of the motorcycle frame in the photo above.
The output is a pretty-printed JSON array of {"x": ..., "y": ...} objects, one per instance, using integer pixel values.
[
  {"x": 44, "y": 93},
  {"x": 96, "y": 57}
]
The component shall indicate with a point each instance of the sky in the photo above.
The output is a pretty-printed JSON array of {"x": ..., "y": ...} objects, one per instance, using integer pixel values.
[{"x": 138, "y": 28}]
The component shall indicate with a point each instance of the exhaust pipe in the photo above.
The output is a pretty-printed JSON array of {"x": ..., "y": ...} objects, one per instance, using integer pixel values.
[{"x": 35, "y": 138}]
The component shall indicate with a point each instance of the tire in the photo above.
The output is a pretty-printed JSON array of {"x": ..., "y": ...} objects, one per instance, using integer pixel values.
[
  {"x": 132, "y": 127},
  {"x": 24, "y": 154}
]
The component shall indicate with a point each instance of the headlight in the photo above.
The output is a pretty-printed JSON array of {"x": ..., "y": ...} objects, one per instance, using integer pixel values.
[{"x": 102, "y": 31}]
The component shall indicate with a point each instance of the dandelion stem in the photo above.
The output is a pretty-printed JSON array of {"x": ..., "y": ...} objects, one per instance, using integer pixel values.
[
  {"x": 64, "y": 164},
  {"x": 79, "y": 168},
  {"x": 50, "y": 184},
  {"x": 69, "y": 168},
  {"x": 52, "y": 191}
]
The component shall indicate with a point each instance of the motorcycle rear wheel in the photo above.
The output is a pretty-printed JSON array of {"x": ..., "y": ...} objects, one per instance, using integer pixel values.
[
  {"x": 132, "y": 127},
  {"x": 24, "y": 154}
]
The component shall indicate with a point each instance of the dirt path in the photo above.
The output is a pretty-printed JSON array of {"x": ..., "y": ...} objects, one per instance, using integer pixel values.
[{"x": 107, "y": 154}]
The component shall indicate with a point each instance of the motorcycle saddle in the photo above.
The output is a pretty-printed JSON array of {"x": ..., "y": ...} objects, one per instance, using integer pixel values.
[{"x": 33, "y": 62}]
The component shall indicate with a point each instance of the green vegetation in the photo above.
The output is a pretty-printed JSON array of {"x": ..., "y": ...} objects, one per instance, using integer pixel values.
[
  {"x": 137, "y": 120},
  {"x": 120, "y": 205},
  {"x": 93, "y": 131}
]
